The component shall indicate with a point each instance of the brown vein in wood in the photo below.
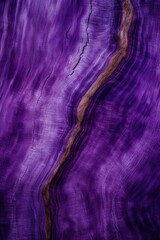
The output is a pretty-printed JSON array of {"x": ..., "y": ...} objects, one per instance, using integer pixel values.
[{"x": 85, "y": 101}]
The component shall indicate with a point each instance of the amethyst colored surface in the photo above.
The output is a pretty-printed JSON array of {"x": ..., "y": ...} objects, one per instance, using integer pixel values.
[{"x": 51, "y": 52}]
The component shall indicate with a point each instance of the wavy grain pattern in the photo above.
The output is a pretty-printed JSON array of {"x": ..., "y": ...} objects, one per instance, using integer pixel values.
[{"x": 127, "y": 14}]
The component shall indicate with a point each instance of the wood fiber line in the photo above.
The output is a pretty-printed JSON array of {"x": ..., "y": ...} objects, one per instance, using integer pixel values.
[{"x": 85, "y": 101}]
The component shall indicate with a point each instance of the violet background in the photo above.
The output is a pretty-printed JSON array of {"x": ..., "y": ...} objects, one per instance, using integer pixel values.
[{"x": 51, "y": 51}]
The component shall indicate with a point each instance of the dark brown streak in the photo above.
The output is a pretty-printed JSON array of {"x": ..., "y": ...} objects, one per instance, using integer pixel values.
[{"x": 85, "y": 101}]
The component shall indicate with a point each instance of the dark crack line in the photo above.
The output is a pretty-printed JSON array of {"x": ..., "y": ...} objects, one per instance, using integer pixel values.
[
  {"x": 43, "y": 87},
  {"x": 34, "y": 124},
  {"x": 29, "y": 70},
  {"x": 87, "y": 41},
  {"x": 67, "y": 33}
]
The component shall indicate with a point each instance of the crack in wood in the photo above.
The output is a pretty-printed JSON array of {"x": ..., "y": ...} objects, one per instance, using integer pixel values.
[{"x": 86, "y": 43}]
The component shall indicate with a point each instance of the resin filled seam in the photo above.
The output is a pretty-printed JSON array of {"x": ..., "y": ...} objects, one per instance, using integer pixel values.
[{"x": 85, "y": 101}]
